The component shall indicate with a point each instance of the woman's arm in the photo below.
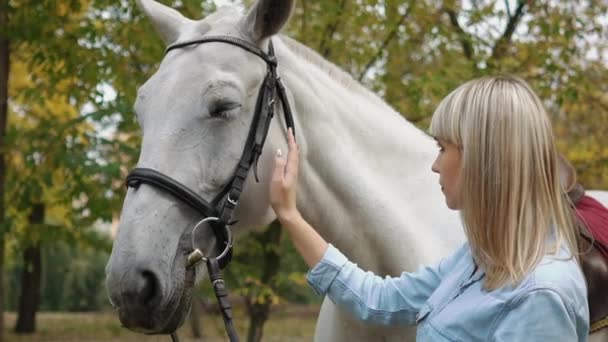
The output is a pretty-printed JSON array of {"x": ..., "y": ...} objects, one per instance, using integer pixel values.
[
  {"x": 368, "y": 297},
  {"x": 307, "y": 241}
]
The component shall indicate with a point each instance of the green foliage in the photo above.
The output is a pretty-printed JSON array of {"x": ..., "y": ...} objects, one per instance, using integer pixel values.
[
  {"x": 84, "y": 283},
  {"x": 55, "y": 154},
  {"x": 413, "y": 53},
  {"x": 72, "y": 278},
  {"x": 249, "y": 268}
]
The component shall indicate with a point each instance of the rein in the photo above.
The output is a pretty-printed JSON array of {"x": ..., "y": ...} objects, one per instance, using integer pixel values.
[{"x": 218, "y": 213}]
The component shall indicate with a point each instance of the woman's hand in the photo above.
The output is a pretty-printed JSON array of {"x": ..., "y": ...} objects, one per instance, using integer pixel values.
[
  {"x": 307, "y": 241},
  {"x": 284, "y": 181}
]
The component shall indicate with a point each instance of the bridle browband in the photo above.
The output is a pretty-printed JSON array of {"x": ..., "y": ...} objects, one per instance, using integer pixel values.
[{"x": 218, "y": 213}]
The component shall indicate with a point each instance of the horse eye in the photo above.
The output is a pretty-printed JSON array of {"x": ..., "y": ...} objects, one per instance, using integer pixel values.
[{"x": 224, "y": 109}]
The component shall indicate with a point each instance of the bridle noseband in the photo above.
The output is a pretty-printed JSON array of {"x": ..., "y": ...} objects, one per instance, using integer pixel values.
[{"x": 218, "y": 213}]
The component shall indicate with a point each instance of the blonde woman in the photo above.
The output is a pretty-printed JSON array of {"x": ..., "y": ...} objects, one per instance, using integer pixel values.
[{"x": 518, "y": 277}]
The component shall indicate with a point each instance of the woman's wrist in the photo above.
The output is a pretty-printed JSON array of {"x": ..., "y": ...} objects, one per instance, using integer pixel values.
[
  {"x": 290, "y": 217},
  {"x": 305, "y": 238}
]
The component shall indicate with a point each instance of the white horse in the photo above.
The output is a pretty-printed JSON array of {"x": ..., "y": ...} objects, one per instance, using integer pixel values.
[{"x": 365, "y": 182}]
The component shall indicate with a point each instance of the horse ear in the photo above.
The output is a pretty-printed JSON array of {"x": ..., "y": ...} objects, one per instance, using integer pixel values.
[
  {"x": 267, "y": 18},
  {"x": 167, "y": 21}
]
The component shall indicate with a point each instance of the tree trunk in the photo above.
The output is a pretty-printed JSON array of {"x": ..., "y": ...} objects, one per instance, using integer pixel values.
[
  {"x": 195, "y": 318},
  {"x": 4, "y": 70},
  {"x": 258, "y": 315},
  {"x": 259, "y": 312},
  {"x": 30, "y": 281}
]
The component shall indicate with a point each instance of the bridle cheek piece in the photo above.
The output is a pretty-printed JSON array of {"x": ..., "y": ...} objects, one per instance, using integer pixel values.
[{"x": 218, "y": 214}]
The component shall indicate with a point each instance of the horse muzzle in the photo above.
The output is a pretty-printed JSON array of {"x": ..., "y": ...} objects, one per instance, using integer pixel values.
[{"x": 147, "y": 306}]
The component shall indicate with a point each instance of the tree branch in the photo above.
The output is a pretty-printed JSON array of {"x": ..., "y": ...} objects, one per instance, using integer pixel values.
[
  {"x": 391, "y": 35},
  {"x": 465, "y": 41},
  {"x": 303, "y": 19},
  {"x": 501, "y": 44},
  {"x": 330, "y": 30}
]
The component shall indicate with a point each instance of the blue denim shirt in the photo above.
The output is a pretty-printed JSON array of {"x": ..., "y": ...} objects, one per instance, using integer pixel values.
[{"x": 448, "y": 303}]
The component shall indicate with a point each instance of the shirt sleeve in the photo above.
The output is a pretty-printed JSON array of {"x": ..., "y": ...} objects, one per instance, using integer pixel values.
[
  {"x": 370, "y": 298},
  {"x": 540, "y": 315}
]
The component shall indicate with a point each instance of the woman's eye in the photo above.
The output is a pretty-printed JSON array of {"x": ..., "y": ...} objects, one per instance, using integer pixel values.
[{"x": 224, "y": 110}]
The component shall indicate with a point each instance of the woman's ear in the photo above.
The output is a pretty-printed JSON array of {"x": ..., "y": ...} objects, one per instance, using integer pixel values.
[{"x": 267, "y": 18}]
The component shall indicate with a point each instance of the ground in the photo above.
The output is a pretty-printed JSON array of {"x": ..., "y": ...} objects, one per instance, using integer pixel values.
[{"x": 288, "y": 323}]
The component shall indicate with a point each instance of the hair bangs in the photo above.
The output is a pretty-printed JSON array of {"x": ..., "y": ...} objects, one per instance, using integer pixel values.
[{"x": 446, "y": 121}]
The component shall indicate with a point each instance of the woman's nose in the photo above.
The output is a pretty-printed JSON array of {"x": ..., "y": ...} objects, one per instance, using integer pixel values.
[{"x": 435, "y": 165}]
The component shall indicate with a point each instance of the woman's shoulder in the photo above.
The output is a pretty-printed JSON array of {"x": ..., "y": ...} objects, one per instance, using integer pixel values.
[
  {"x": 557, "y": 273},
  {"x": 560, "y": 270},
  {"x": 561, "y": 274}
]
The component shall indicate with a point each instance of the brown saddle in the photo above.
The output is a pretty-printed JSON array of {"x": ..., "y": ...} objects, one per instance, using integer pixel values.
[
  {"x": 595, "y": 269},
  {"x": 593, "y": 263}
]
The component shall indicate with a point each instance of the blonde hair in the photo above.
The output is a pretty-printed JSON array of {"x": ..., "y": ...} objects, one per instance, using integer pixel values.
[{"x": 512, "y": 204}]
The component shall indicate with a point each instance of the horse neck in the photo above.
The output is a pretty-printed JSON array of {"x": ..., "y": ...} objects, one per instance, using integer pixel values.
[{"x": 366, "y": 183}]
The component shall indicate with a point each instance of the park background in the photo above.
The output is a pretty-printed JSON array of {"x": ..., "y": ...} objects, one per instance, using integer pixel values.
[{"x": 69, "y": 71}]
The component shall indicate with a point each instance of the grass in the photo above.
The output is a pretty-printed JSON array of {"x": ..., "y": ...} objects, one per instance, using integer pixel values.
[{"x": 287, "y": 323}]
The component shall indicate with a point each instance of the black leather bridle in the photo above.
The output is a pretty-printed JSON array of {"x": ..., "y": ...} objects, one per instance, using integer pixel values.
[{"x": 218, "y": 213}]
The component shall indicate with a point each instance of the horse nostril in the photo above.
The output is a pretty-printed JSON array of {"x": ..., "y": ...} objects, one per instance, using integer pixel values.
[{"x": 148, "y": 289}]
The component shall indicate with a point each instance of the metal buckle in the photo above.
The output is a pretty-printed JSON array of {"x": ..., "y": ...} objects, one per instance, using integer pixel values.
[
  {"x": 272, "y": 60},
  {"x": 231, "y": 201}
]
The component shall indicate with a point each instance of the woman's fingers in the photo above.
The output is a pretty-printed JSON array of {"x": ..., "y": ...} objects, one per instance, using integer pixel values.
[
  {"x": 291, "y": 170},
  {"x": 286, "y": 170},
  {"x": 279, "y": 166},
  {"x": 291, "y": 142},
  {"x": 284, "y": 178}
]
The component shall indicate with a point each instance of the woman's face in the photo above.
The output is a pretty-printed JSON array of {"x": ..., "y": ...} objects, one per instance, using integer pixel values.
[{"x": 447, "y": 165}]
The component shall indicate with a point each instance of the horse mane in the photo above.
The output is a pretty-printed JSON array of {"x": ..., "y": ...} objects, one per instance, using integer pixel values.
[{"x": 333, "y": 71}]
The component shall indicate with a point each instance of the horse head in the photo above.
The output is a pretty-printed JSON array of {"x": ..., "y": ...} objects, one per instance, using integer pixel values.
[{"x": 195, "y": 114}]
